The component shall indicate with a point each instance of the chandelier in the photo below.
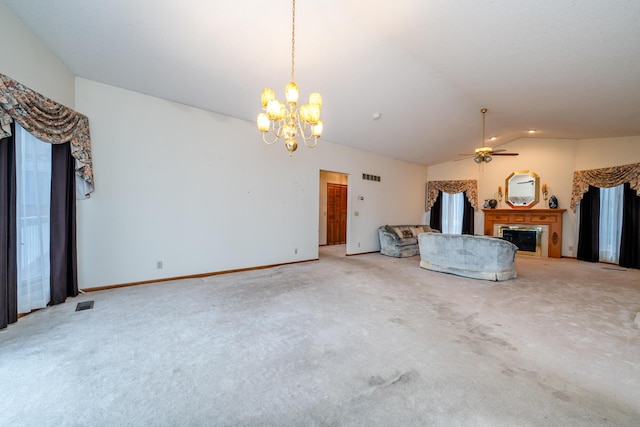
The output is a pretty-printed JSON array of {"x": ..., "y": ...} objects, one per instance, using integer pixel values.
[{"x": 286, "y": 120}]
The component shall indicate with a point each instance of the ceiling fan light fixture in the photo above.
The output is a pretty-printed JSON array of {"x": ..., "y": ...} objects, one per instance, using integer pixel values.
[
  {"x": 483, "y": 150},
  {"x": 484, "y": 154}
]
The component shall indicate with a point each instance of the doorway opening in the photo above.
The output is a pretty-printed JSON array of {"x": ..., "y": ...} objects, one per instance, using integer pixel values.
[{"x": 334, "y": 190}]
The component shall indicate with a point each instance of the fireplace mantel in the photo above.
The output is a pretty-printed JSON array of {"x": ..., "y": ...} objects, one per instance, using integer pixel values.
[{"x": 549, "y": 217}]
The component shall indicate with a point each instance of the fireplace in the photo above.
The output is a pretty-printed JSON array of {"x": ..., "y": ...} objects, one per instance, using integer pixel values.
[
  {"x": 530, "y": 240},
  {"x": 549, "y": 219}
]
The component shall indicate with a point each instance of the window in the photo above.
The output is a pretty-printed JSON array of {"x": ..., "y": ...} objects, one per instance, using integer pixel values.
[
  {"x": 33, "y": 187},
  {"x": 610, "y": 226},
  {"x": 452, "y": 212}
]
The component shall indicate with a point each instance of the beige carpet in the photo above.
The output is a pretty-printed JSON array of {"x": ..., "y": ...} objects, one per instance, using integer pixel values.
[{"x": 346, "y": 341}]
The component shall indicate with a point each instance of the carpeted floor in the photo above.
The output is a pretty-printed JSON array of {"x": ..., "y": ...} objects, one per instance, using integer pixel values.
[{"x": 346, "y": 341}]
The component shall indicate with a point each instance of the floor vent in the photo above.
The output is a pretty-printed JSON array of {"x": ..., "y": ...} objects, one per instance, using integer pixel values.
[{"x": 86, "y": 305}]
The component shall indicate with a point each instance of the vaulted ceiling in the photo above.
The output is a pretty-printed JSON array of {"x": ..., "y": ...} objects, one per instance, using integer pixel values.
[{"x": 567, "y": 68}]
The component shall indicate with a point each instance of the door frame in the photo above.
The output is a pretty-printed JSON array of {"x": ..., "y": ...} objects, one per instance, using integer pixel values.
[{"x": 325, "y": 176}]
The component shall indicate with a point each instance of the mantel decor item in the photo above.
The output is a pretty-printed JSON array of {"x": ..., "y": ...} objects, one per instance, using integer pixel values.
[
  {"x": 493, "y": 203},
  {"x": 285, "y": 120},
  {"x": 553, "y": 202}
]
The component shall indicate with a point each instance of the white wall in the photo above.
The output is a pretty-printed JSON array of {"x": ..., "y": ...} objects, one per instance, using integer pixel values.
[
  {"x": 554, "y": 160},
  {"x": 605, "y": 152},
  {"x": 25, "y": 59},
  {"x": 202, "y": 193}
]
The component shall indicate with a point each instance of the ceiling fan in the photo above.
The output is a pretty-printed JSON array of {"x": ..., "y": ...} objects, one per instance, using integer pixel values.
[{"x": 484, "y": 153}]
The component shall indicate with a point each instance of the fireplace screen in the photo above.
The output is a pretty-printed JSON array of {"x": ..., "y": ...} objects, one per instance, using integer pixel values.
[{"x": 527, "y": 239}]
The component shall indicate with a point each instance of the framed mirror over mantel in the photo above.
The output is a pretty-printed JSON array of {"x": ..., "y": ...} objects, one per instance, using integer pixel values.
[{"x": 522, "y": 189}]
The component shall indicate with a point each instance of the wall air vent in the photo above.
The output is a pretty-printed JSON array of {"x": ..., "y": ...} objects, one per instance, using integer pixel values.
[{"x": 368, "y": 177}]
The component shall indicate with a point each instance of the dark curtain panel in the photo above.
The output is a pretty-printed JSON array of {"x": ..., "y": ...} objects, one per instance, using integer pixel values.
[
  {"x": 589, "y": 232},
  {"x": 8, "y": 236},
  {"x": 64, "y": 276},
  {"x": 630, "y": 242},
  {"x": 467, "y": 216},
  {"x": 435, "y": 220}
]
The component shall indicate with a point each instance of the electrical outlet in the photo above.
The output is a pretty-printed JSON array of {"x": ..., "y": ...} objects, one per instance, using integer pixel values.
[
  {"x": 159, "y": 265},
  {"x": 295, "y": 251},
  {"x": 358, "y": 244}
]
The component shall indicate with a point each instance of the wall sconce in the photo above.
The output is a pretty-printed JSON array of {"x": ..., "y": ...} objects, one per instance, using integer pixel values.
[
  {"x": 544, "y": 191},
  {"x": 500, "y": 193}
]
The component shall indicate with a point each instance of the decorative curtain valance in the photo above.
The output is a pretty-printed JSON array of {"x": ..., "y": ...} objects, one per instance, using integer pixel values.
[
  {"x": 48, "y": 121},
  {"x": 604, "y": 178},
  {"x": 470, "y": 186}
]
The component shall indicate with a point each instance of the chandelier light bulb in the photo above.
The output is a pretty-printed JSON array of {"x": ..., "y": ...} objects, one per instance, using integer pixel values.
[
  {"x": 263, "y": 122},
  {"x": 316, "y": 130},
  {"x": 291, "y": 93},
  {"x": 267, "y": 96},
  {"x": 313, "y": 113},
  {"x": 316, "y": 99}
]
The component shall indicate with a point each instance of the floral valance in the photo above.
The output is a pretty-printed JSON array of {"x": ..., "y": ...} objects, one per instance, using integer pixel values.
[
  {"x": 604, "y": 178},
  {"x": 470, "y": 186},
  {"x": 48, "y": 121}
]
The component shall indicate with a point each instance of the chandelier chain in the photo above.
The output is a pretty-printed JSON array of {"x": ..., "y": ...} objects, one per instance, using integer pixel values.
[{"x": 293, "y": 40}]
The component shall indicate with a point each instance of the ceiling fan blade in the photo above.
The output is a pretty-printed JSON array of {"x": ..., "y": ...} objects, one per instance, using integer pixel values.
[
  {"x": 497, "y": 151},
  {"x": 466, "y": 156},
  {"x": 504, "y": 154}
]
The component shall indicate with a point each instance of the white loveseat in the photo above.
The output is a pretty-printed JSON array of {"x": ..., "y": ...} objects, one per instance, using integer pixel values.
[{"x": 478, "y": 257}]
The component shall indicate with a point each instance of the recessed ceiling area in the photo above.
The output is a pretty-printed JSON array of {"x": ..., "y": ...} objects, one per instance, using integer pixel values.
[{"x": 565, "y": 69}]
